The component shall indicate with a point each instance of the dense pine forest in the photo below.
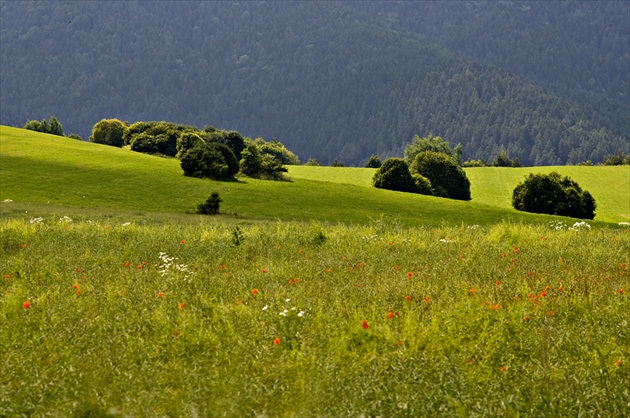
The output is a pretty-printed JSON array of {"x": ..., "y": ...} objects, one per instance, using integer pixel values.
[{"x": 547, "y": 82}]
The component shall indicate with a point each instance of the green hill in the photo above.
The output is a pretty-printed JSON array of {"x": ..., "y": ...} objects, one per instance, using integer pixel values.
[
  {"x": 493, "y": 186},
  {"x": 44, "y": 173}
]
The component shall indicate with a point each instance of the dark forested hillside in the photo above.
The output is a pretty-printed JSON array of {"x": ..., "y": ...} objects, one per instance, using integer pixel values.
[{"x": 331, "y": 80}]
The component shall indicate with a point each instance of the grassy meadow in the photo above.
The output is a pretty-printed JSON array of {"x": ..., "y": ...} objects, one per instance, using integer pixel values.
[{"x": 319, "y": 297}]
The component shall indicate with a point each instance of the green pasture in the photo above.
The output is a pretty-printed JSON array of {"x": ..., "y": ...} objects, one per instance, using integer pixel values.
[
  {"x": 320, "y": 297},
  {"x": 117, "y": 319},
  {"x": 39, "y": 172},
  {"x": 493, "y": 186}
]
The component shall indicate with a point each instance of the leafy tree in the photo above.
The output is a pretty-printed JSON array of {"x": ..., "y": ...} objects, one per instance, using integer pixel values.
[
  {"x": 423, "y": 184},
  {"x": 210, "y": 206},
  {"x": 447, "y": 178},
  {"x": 504, "y": 160},
  {"x": 213, "y": 160},
  {"x": 258, "y": 165},
  {"x": 474, "y": 163},
  {"x": 313, "y": 162},
  {"x": 337, "y": 163},
  {"x": 374, "y": 162},
  {"x": 394, "y": 175},
  {"x": 108, "y": 132},
  {"x": 617, "y": 159},
  {"x": 554, "y": 195},
  {"x": 51, "y": 126},
  {"x": 145, "y": 143},
  {"x": 75, "y": 136},
  {"x": 186, "y": 141},
  {"x": 54, "y": 127},
  {"x": 430, "y": 143},
  {"x": 277, "y": 150}
]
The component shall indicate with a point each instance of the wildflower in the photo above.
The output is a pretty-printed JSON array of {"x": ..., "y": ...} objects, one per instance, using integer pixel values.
[
  {"x": 290, "y": 281},
  {"x": 504, "y": 255},
  {"x": 265, "y": 307},
  {"x": 181, "y": 306},
  {"x": 621, "y": 291},
  {"x": 160, "y": 294},
  {"x": 550, "y": 313},
  {"x": 264, "y": 270},
  {"x": 23, "y": 246},
  {"x": 525, "y": 318},
  {"x": 276, "y": 341},
  {"x": 618, "y": 363},
  {"x": 279, "y": 246},
  {"x": 127, "y": 264},
  {"x": 300, "y": 314},
  {"x": 223, "y": 266},
  {"x": 75, "y": 286},
  {"x": 139, "y": 266},
  {"x": 473, "y": 291},
  {"x": 426, "y": 300},
  {"x": 409, "y": 275},
  {"x": 78, "y": 291},
  {"x": 300, "y": 251},
  {"x": 503, "y": 368},
  {"x": 515, "y": 249},
  {"x": 284, "y": 313},
  {"x": 254, "y": 291},
  {"x": 364, "y": 324},
  {"x": 7, "y": 276},
  {"x": 408, "y": 298},
  {"x": 182, "y": 242},
  {"x": 389, "y": 315},
  {"x": 26, "y": 305},
  {"x": 498, "y": 283}
]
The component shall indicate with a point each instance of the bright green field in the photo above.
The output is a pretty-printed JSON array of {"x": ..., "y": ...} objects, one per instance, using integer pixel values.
[
  {"x": 609, "y": 185},
  {"x": 39, "y": 172},
  {"x": 316, "y": 299}
]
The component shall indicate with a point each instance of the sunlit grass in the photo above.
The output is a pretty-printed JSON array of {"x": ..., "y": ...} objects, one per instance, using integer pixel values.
[{"x": 294, "y": 319}]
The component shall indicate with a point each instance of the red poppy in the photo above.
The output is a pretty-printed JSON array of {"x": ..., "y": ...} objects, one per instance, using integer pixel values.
[
  {"x": 182, "y": 242},
  {"x": 160, "y": 294},
  {"x": 364, "y": 324},
  {"x": 409, "y": 275},
  {"x": 408, "y": 297},
  {"x": 426, "y": 300},
  {"x": 127, "y": 264},
  {"x": 276, "y": 341},
  {"x": 621, "y": 291},
  {"x": 389, "y": 315},
  {"x": 618, "y": 363},
  {"x": 181, "y": 306},
  {"x": 504, "y": 368},
  {"x": 26, "y": 305},
  {"x": 254, "y": 291}
]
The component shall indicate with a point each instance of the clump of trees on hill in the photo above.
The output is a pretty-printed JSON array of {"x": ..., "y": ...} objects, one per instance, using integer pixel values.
[
  {"x": 50, "y": 126},
  {"x": 208, "y": 153},
  {"x": 435, "y": 169},
  {"x": 553, "y": 194}
]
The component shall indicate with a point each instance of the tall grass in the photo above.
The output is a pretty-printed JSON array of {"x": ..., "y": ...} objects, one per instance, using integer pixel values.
[{"x": 312, "y": 319}]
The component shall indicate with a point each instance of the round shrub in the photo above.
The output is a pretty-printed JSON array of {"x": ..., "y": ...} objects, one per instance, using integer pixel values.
[
  {"x": 108, "y": 132},
  {"x": 423, "y": 184},
  {"x": 210, "y": 206},
  {"x": 213, "y": 160},
  {"x": 447, "y": 178},
  {"x": 553, "y": 194},
  {"x": 394, "y": 175}
]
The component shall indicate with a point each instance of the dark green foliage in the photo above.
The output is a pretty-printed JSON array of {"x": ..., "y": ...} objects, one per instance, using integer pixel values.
[
  {"x": 504, "y": 160},
  {"x": 474, "y": 163},
  {"x": 278, "y": 151},
  {"x": 337, "y": 163},
  {"x": 374, "y": 162},
  {"x": 108, "y": 132},
  {"x": 423, "y": 184},
  {"x": 51, "y": 126},
  {"x": 210, "y": 206},
  {"x": 186, "y": 141},
  {"x": 617, "y": 159},
  {"x": 75, "y": 136},
  {"x": 237, "y": 236},
  {"x": 259, "y": 165},
  {"x": 313, "y": 162},
  {"x": 553, "y": 194},
  {"x": 214, "y": 160},
  {"x": 164, "y": 136},
  {"x": 145, "y": 143},
  {"x": 447, "y": 178},
  {"x": 394, "y": 175},
  {"x": 321, "y": 73},
  {"x": 430, "y": 143}
]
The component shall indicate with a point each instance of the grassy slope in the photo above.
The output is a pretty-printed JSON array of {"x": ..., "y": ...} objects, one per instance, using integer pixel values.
[
  {"x": 45, "y": 169},
  {"x": 610, "y": 185}
]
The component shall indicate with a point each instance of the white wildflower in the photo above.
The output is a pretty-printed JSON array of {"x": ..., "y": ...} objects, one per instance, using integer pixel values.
[
  {"x": 7, "y": 201},
  {"x": 39, "y": 220},
  {"x": 65, "y": 219},
  {"x": 265, "y": 307},
  {"x": 579, "y": 226},
  {"x": 126, "y": 224},
  {"x": 624, "y": 223},
  {"x": 300, "y": 314}
]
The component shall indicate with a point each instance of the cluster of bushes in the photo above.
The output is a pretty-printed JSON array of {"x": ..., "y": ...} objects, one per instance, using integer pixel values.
[
  {"x": 210, "y": 153},
  {"x": 430, "y": 167},
  {"x": 51, "y": 126},
  {"x": 553, "y": 194}
]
